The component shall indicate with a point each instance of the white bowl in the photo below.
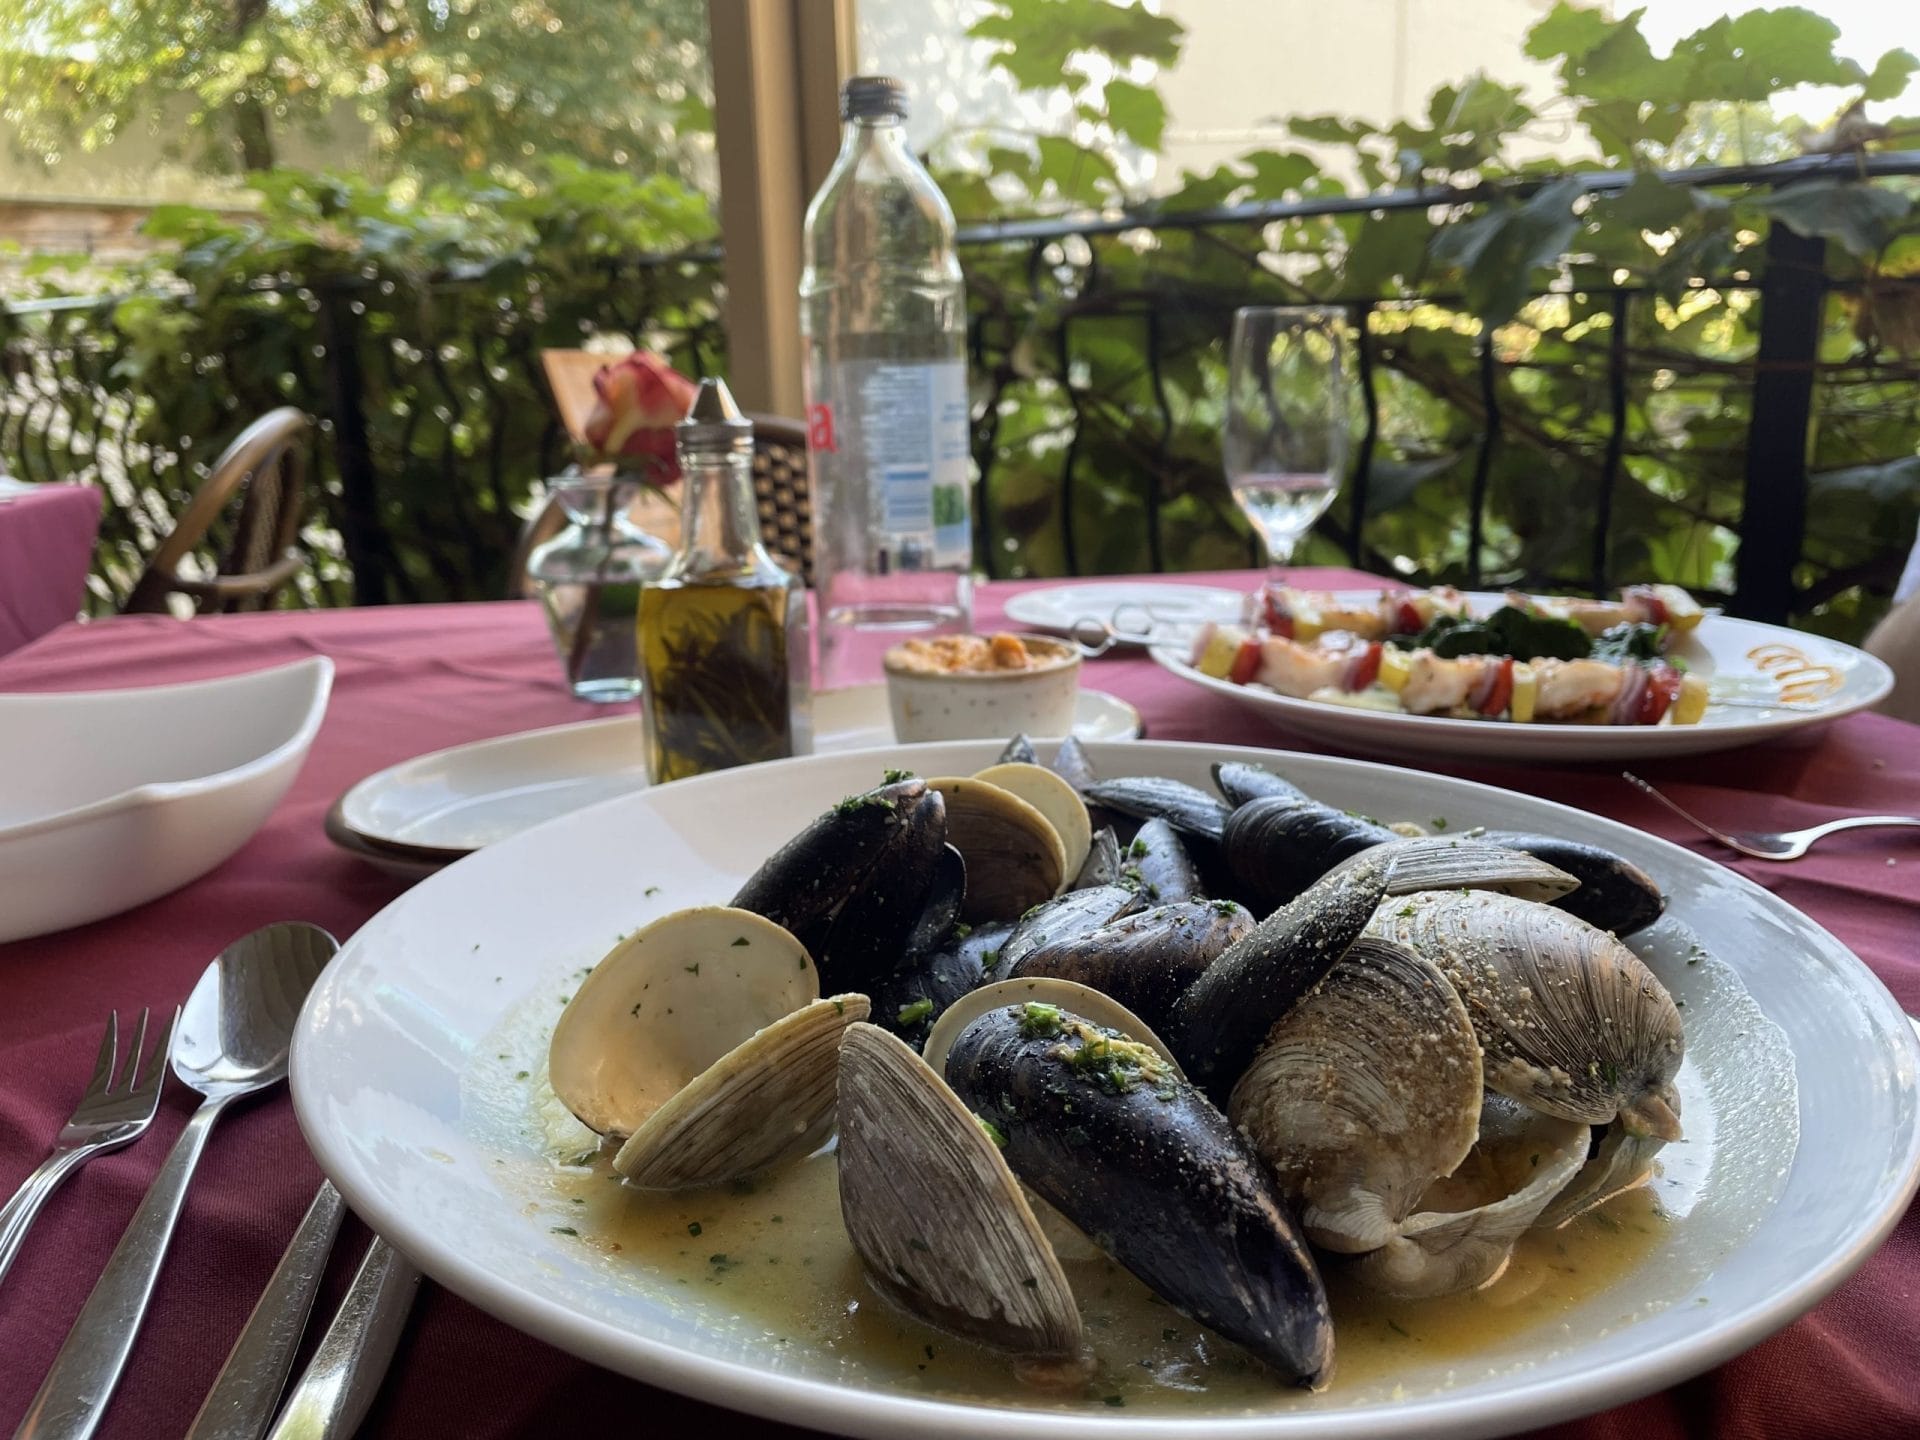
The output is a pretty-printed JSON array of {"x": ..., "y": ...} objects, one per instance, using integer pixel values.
[
  {"x": 987, "y": 704},
  {"x": 113, "y": 797}
]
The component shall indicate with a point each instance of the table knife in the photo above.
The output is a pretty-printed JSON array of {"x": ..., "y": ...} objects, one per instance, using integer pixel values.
[
  {"x": 333, "y": 1395},
  {"x": 241, "y": 1404}
]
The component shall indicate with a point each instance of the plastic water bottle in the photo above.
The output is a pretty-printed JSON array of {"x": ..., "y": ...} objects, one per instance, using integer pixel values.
[{"x": 884, "y": 315}]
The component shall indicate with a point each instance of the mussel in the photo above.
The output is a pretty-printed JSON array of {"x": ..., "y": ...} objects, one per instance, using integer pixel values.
[
  {"x": 1572, "y": 1022},
  {"x": 1241, "y": 781},
  {"x": 1105, "y": 1131},
  {"x": 1277, "y": 845},
  {"x": 1103, "y": 862},
  {"x": 1074, "y": 913},
  {"x": 701, "y": 1042},
  {"x": 1614, "y": 894},
  {"x": 1157, "y": 864},
  {"x": 1143, "y": 960},
  {"x": 1187, "y": 808}
]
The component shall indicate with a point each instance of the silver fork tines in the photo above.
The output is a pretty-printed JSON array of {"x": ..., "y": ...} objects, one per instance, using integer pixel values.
[
  {"x": 1774, "y": 844},
  {"x": 111, "y": 1114}
]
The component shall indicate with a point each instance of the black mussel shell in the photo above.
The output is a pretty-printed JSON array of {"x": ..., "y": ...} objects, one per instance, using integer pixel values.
[
  {"x": 1072, "y": 764},
  {"x": 1157, "y": 864},
  {"x": 1103, "y": 861},
  {"x": 940, "y": 906},
  {"x": 804, "y": 883},
  {"x": 909, "y": 1000},
  {"x": 1614, "y": 894},
  {"x": 1019, "y": 751},
  {"x": 1155, "y": 1174},
  {"x": 1276, "y": 847},
  {"x": 1241, "y": 781},
  {"x": 1145, "y": 960},
  {"x": 1221, "y": 1019},
  {"x": 868, "y": 937},
  {"x": 1189, "y": 809},
  {"x": 1073, "y": 913}
]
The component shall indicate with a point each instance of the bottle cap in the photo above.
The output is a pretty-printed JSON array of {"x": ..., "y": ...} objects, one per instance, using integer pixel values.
[
  {"x": 713, "y": 423},
  {"x": 868, "y": 97}
]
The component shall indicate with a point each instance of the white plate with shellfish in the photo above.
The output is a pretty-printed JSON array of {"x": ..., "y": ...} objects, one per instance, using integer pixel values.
[
  {"x": 1148, "y": 1089},
  {"x": 1762, "y": 682}
]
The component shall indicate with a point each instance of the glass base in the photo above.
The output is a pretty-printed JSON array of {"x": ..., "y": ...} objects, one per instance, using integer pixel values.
[{"x": 616, "y": 690}]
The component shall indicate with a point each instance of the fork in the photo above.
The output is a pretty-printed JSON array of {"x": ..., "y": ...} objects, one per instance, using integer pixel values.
[
  {"x": 109, "y": 1116},
  {"x": 1775, "y": 844}
]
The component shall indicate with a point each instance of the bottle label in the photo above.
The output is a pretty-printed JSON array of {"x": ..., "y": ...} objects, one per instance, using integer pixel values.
[{"x": 904, "y": 428}]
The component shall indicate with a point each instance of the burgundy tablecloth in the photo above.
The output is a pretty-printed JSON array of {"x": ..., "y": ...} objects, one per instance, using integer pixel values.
[{"x": 414, "y": 679}]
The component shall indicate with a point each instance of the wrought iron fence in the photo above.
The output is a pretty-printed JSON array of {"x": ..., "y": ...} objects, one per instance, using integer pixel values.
[{"x": 1097, "y": 355}]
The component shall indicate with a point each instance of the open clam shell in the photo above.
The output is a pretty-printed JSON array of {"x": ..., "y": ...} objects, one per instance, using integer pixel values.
[
  {"x": 1015, "y": 858},
  {"x": 1621, "y": 1162},
  {"x": 1463, "y": 1235},
  {"x": 701, "y": 1042},
  {"x": 1572, "y": 1022},
  {"x": 1452, "y": 862},
  {"x": 1364, "y": 1094},
  {"x": 1054, "y": 798},
  {"x": 938, "y": 1220}
]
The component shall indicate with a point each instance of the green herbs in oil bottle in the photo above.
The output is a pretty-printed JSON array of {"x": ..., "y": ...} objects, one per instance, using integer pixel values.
[{"x": 724, "y": 652}]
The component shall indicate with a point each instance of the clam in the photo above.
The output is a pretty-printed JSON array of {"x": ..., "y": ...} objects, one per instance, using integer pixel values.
[
  {"x": 941, "y": 1226},
  {"x": 1614, "y": 894},
  {"x": 1101, "y": 1127},
  {"x": 1572, "y": 1022},
  {"x": 1617, "y": 1161},
  {"x": 1053, "y": 798},
  {"x": 1015, "y": 857},
  {"x": 1146, "y": 959},
  {"x": 1367, "y": 1101},
  {"x": 702, "y": 1044},
  {"x": 1445, "y": 862}
]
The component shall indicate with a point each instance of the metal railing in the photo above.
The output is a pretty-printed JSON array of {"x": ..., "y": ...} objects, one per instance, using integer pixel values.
[{"x": 434, "y": 419}]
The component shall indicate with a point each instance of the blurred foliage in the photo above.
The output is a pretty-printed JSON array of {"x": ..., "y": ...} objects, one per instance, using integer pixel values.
[
  {"x": 449, "y": 299},
  {"x": 1103, "y": 358},
  {"x": 430, "y": 91},
  {"x": 1099, "y": 364}
]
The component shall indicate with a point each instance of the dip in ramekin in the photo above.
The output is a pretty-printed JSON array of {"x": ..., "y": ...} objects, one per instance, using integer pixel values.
[{"x": 964, "y": 687}]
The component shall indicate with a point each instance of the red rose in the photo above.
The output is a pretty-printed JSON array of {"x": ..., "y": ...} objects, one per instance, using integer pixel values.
[{"x": 637, "y": 403}]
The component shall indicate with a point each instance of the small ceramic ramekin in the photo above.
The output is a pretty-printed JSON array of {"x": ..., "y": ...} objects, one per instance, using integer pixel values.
[{"x": 986, "y": 704}]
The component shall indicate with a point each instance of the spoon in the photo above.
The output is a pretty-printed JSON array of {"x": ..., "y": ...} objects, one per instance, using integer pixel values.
[{"x": 232, "y": 1040}]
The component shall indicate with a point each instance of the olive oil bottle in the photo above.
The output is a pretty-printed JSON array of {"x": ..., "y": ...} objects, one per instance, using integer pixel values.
[{"x": 724, "y": 647}]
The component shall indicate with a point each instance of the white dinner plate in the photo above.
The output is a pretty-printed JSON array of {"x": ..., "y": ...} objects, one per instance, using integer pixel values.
[
  {"x": 1748, "y": 666},
  {"x": 435, "y": 808},
  {"x": 1798, "y": 1090},
  {"x": 1139, "y": 610}
]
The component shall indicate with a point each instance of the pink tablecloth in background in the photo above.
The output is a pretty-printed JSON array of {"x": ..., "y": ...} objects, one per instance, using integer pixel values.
[
  {"x": 412, "y": 680},
  {"x": 46, "y": 547}
]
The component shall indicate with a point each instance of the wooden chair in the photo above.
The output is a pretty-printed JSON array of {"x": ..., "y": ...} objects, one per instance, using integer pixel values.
[
  {"x": 266, "y": 468},
  {"x": 780, "y": 491}
]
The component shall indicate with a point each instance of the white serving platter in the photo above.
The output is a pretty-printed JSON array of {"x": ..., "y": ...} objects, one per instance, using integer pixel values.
[{"x": 1799, "y": 1094}]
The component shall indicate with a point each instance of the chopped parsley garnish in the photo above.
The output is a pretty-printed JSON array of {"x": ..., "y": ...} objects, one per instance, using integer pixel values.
[
  {"x": 1117, "y": 1401},
  {"x": 1113, "y": 1062},
  {"x": 740, "y": 942},
  {"x": 651, "y": 890},
  {"x": 565, "y": 1230},
  {"x": 693, "y": 969},
  {"x": 693, "y": 1227},
  {"x": 993, "y": 1131},
  {"x": 894, "y": 777},
  {"x": 916, "y": 1012},
  {"x": 1040, "y": 1022}
]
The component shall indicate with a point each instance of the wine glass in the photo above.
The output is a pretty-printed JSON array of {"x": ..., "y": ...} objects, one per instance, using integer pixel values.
[{"x": 1288, "y": 426}]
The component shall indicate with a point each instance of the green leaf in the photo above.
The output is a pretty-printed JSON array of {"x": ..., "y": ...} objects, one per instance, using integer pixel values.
[
  {"x": 1750, "y": 56},
  {"x": 1038, "y": 38},
  {"x": 1498, "y": 252},
  {"x": 1275, "y": 172},
  {"x": 1484, "y": 110},
  {"x": 1078, "y": 173},
  {"x": 1326, "y": 129},
  {"x": 1651, "y": 203},
  {"x": 1569, "y": 31},
  {"x": 1204, "y": 192},
  {"x": 1859, "y": 214},
  {"x": 1137, "y": 112},
  {"x": 1890, "y": 76}
]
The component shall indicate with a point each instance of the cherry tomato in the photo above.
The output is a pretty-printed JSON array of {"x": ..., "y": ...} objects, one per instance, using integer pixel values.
[
  {"x": 1662, "y": 688},
  {"x": 1365, "y": 668},
  {"x": 1656, "y": 608},
  {"x": 1279, "y": 618},
  {"x": 1406, "y": 620},
  {"x": 1500, "y": 693},
  {"x": 1246, "y": 662}
]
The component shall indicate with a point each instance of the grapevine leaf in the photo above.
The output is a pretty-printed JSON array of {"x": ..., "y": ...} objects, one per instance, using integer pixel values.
[
  {"x": 1137, "y": 112},
  {"x": 1860, "y": 216}
]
